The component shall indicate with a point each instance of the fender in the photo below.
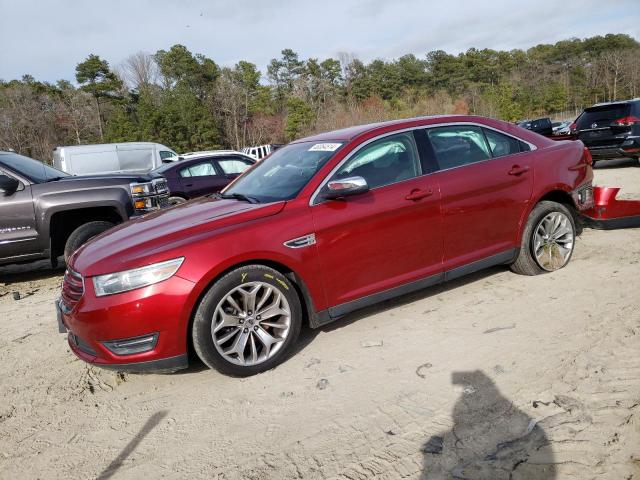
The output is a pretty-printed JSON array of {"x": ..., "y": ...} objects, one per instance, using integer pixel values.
[
  {"x": 46, "y": 205},
  {"x": 289, "y": 266}
]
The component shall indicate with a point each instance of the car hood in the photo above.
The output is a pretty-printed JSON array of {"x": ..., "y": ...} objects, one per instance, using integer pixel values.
[
  {"x": 164, "y": 234},
  {"x": 124, "y": 177}
]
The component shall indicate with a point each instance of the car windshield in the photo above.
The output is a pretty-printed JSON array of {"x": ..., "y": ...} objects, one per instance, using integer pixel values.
[
  {"x": 32, "y": 169},
  {"x": 282, "y": 175}
]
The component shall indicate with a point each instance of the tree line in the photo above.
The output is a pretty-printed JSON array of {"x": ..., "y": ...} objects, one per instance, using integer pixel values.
[{"x": 189, "y": 102}]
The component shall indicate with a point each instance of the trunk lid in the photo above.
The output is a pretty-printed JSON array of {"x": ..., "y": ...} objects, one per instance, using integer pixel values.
[{"x": 596, "y": 126}]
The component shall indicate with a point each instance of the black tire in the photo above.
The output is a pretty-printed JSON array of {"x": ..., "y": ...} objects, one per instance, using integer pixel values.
[
  {"x": 201, "y": 332},
  {"x": 82, "y": 234},
  {"x": 526, "y": 263},
  {"x": 176, "y": 200},
  {"x": 594, "y": 163}
]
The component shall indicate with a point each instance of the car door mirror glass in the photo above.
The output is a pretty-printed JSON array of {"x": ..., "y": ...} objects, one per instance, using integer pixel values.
[
  {"x": 8, "y": 185},
  {"x": 345, "y": 187}
]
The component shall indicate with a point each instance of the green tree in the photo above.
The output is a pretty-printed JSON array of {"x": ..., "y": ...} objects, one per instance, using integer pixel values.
[
  {"x": 96, "y": 78},
  {"x": 299, "y": 118}
]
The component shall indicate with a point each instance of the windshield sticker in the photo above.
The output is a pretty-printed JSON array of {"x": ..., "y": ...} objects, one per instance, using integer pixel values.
[{"x": 325, "y": 147}]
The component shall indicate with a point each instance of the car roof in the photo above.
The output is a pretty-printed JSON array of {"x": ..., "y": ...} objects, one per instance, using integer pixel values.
[
  {"x": 350, "y": 133},
  {"x": 209, "y": 153},
  {"x": 103, "y": 145},
  {"x": 617, "y": 102}
]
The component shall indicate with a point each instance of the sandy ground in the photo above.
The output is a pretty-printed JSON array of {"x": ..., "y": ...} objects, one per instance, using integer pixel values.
[{"x": 492, "y": 376}]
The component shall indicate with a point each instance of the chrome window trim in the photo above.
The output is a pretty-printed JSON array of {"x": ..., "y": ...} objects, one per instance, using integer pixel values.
[{"x": 314, "y": 196}]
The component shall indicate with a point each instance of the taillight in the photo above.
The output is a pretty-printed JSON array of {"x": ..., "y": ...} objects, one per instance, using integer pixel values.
[
  {"x": 625, "y": 121},
  {"x": 573, "y": 127},
  {"x": 586, "y": 156}
]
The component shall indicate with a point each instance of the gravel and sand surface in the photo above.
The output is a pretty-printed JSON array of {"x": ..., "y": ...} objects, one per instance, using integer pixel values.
[{"x": 491, "y": 376}]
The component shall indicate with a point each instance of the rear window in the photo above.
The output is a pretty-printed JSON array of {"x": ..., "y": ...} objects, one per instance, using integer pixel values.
[{"x": 598, "y": 117}]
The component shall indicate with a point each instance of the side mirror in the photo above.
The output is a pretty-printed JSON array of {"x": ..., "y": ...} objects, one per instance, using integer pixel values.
[
  {"x": 345, "y": 187},
  {"x": 8, "y": 185}
]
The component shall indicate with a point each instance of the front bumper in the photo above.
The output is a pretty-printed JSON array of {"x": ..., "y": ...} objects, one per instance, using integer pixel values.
[{"x": 160, "y": 309}]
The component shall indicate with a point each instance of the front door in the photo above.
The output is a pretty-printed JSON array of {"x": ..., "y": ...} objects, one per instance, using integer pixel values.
[
  {"x": 201, "y": 178},
  {"x": 231, "y": 167},
  {"x": 384, "y": 238},
  {"x": 18, "y": 234}
]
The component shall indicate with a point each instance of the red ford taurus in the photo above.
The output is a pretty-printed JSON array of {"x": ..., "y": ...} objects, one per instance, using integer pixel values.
[{"x": 324, "y": 226}]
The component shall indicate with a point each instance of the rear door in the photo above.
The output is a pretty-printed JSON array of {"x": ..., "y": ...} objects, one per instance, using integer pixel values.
[
  {"x": 201, "y": 178},
  {"x": 18, "y": 233},
  {"x": 603, "y": 126},
  {"x": 486, "y": 182}
]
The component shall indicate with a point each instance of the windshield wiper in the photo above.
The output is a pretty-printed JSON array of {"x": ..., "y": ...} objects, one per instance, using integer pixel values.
[{"x": 239, "y": 196}]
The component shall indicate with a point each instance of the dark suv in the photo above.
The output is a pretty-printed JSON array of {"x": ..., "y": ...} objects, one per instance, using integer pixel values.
[{"x": 610, "y": 130}]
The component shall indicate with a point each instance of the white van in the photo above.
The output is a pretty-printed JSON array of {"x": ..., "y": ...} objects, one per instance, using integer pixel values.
[{"x": 130, "y": 157}]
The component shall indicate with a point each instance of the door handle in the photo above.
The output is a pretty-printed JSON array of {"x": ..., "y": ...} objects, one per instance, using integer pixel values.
[
  {"x": 518, "y": 170},
  {"x": 189, "y": 185},
  {"x": 419, "y": 194}
]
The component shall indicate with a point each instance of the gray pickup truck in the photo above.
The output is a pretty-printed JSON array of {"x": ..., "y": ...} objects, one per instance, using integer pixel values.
[{"x": 45, "y": 213}]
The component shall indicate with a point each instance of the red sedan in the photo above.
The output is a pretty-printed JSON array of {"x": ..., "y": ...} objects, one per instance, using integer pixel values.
[{"x": 324, "y": 226}]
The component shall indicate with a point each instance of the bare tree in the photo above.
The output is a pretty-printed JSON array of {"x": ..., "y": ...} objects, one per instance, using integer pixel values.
[{"x": 139, "y": 71}]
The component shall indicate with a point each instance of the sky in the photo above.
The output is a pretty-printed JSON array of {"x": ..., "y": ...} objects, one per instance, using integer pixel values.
[{"x": 48, "y": 38}]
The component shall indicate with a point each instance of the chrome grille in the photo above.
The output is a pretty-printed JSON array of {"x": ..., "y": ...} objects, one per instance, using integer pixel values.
[
  {"x": 72, "y": 287},
  {"x": 160, "y": 186}
]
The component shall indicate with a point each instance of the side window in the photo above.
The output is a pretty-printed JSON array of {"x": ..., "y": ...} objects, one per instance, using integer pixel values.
[
  {"x": 198, "y": 170},
  {"x": 232, "y": 166},
  {"x": 458, "y": 145},
  {"x": 164, "y": 154},
  {"x": 383, "y": 162},
  {"x": 500, "y": 144}
]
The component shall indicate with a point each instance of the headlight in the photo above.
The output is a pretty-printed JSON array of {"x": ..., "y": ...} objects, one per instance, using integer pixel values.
[
  {"x": 138, "y": 189},
  {"x": 136, "y": 278}
]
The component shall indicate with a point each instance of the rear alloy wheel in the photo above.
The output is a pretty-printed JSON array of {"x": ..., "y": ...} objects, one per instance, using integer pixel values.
[
  {"x": 248, "y": 321},
  {"x": 553, "y": 241},
  {"x": 547, "y": 241}
]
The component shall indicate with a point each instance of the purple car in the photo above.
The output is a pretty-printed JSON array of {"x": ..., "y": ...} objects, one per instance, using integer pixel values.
[{"x": 201, "y": 173}]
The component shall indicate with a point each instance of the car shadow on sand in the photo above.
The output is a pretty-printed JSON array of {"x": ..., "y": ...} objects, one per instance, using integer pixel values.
[
  {"x": 308, "y": 334},
  {"x": 491, "y": 439},
  {"x": 617, "y": 163},
  {"x": 29, "y": 272}
]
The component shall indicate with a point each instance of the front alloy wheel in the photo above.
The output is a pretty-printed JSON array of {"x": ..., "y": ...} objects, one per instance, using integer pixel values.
[
  {"x": 248, "y": 321},
  {"x": 251, "y": 323}
]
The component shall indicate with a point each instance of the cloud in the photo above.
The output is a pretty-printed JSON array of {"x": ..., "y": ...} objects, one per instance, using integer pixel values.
[{"x": 48, "y": 39}]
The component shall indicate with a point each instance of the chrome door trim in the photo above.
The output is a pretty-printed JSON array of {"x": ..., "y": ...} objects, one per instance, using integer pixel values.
[{"x": 4, "y": 242}]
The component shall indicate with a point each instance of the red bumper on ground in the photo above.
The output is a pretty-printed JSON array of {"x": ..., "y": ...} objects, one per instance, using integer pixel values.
[{"x": 609, "y": 213}]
